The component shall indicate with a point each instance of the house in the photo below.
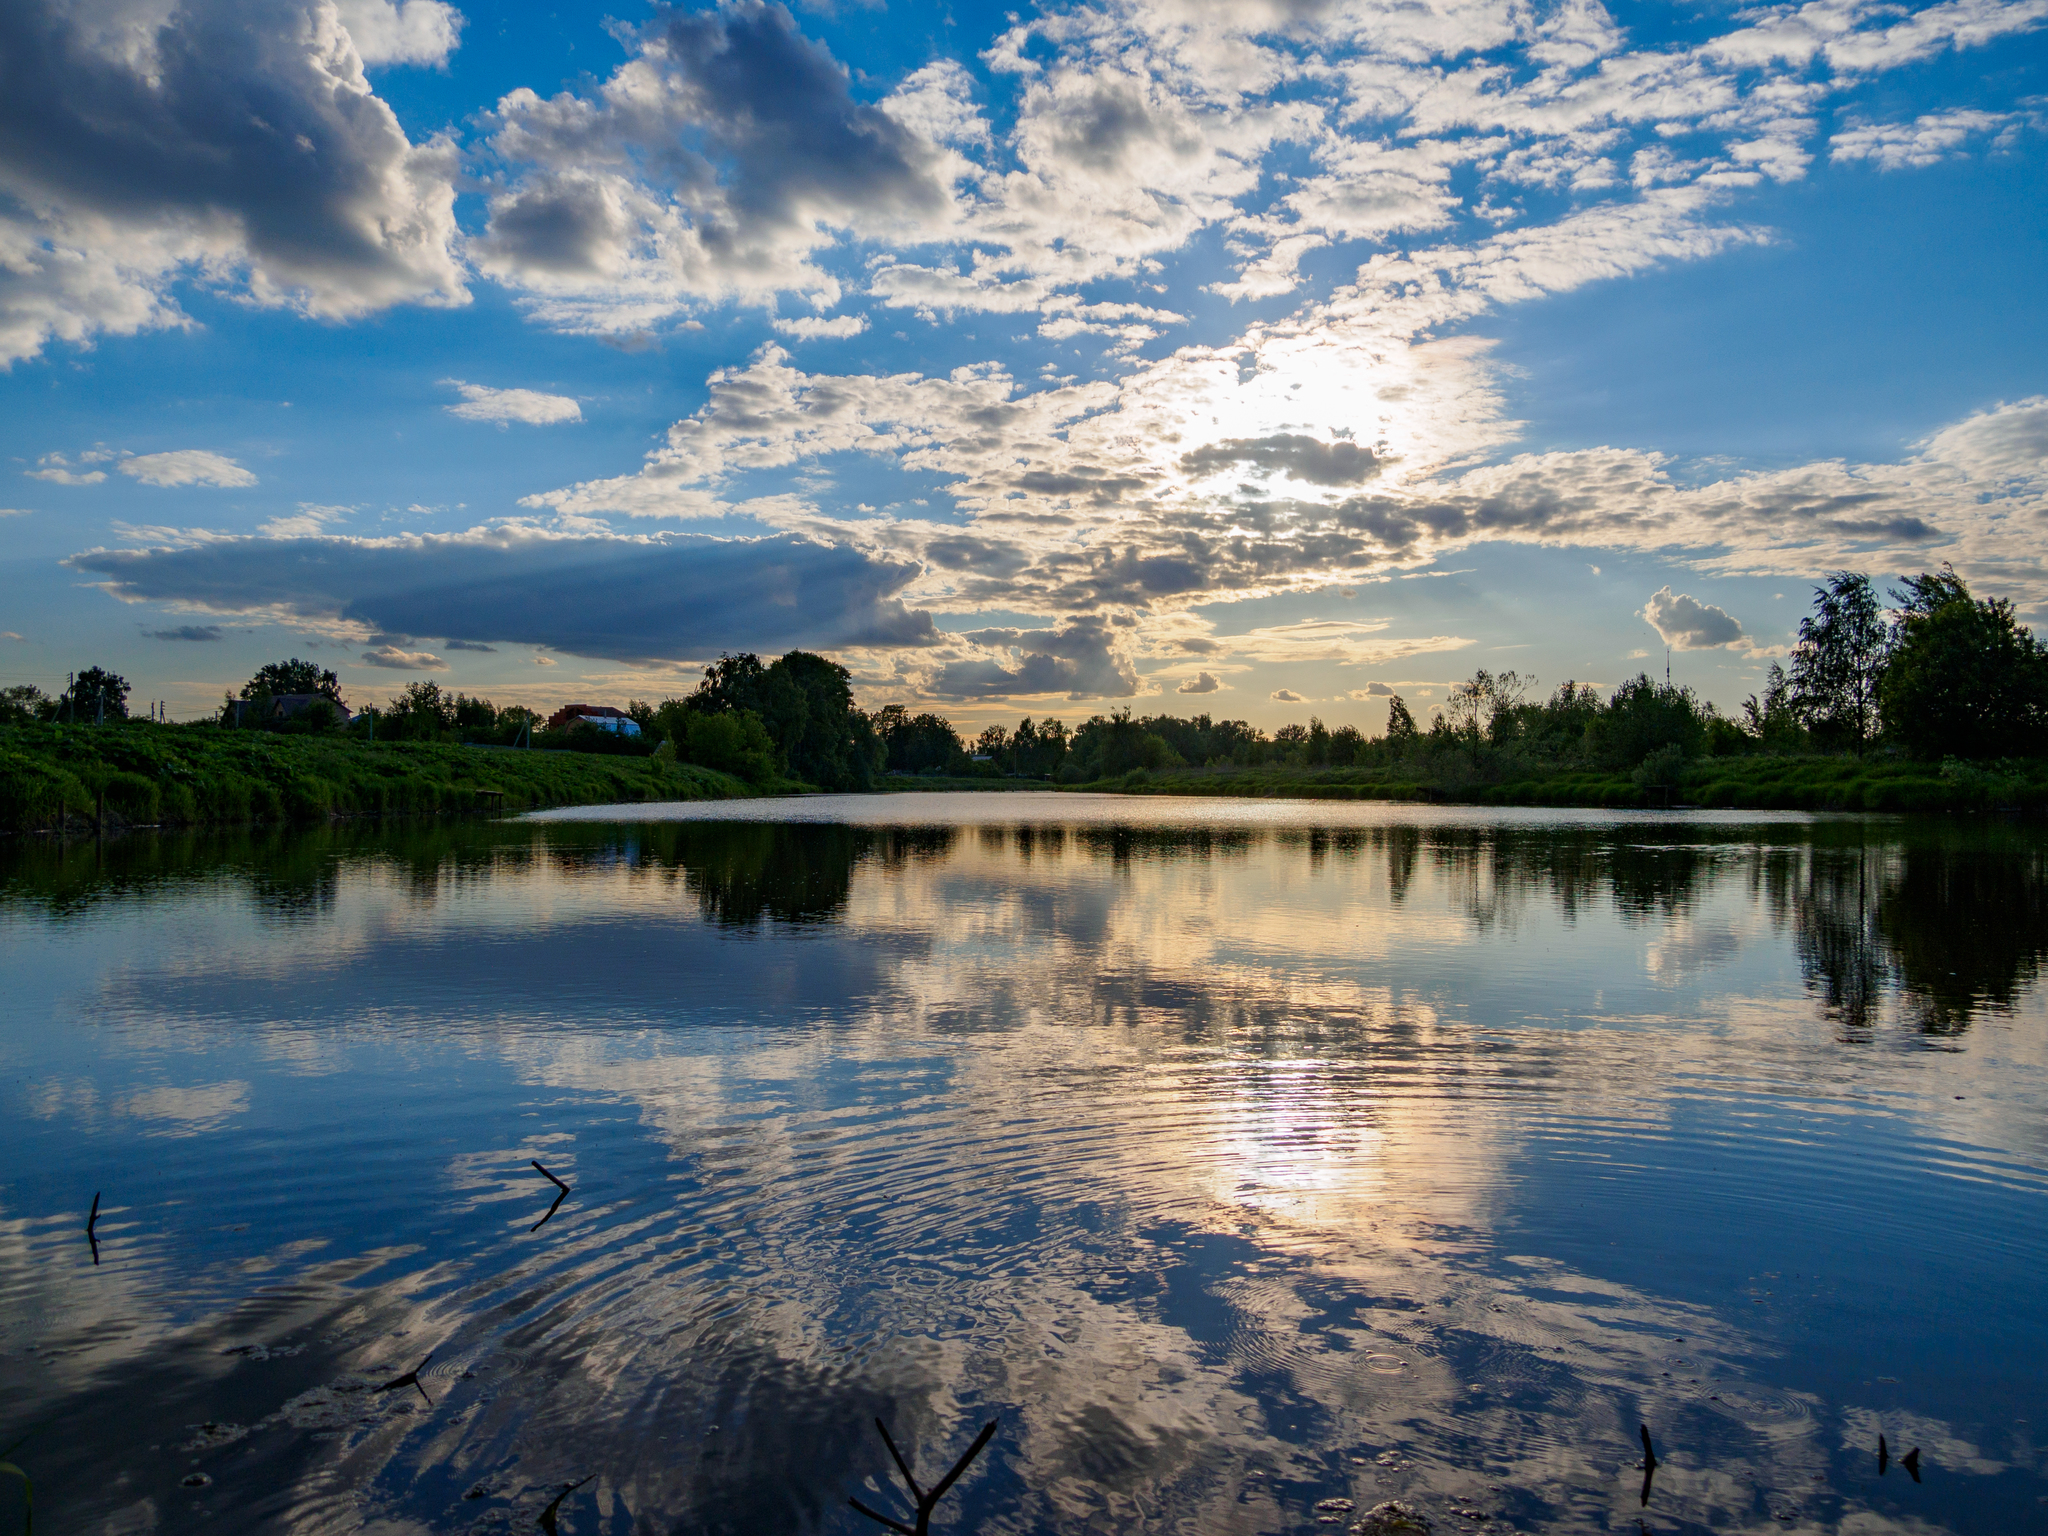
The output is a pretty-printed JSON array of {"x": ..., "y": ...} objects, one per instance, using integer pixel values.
[
  {"x": 602, "y": 716},
  {"x": 289, "y": 706},
  {"x": 283, "y": 706}
]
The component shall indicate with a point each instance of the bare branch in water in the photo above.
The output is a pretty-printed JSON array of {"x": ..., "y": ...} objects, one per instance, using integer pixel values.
[{"x": 925, "y": 1501}]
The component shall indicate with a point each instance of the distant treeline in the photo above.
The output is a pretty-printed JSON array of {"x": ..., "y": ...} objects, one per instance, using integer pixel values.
[{"x": 1940, "y": 674}]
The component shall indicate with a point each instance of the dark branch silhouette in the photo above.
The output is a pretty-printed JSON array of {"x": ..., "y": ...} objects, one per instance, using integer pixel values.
[
  {"x": 1911, "y": 1462},
  {"x": 547, "y": 1516},
  {"x": 1649, "y": 1462},
  {"x": 90, "y": 1222},
  {"x": 410, "y": 1379},
  {"x": 558, "y": 1200},
  {"x": 1884, "y": 1456},
  {"x": 925, "y": 1501}
]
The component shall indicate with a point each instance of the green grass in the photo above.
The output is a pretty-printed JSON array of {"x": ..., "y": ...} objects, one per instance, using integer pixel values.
[
  {"x": 1736, "y": 783},
  {"x": 139, "y": 774}
]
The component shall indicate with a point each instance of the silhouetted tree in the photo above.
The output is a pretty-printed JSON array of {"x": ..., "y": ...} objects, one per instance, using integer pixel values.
[
  {"x": 1839, "y": 661},
  {"x": 97, "y": 694},
  {"x": 1965, "y": 679},
  {"x": 293, "y": 676}
]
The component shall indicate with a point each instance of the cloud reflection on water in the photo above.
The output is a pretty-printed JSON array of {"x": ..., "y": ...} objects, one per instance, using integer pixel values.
[{"x": 1222, "y": 1160}]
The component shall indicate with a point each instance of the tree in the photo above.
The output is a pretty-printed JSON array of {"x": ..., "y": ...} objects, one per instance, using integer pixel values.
[
  {"x": 1644, "y": 717},
  {"x": 1400, "y": 723},
  {"x": 918, "y": 743},
  {"x": 1840, "y": 660},
  {"x": 1965, "y": 678},
  {"x": 23, "y": 702},
  {"x": 1773, "y": 721},
  {"x": 806, "y": 703},
  {"x": 421, "y": 711},
  {"x": 97, "y": 694},
  {"x": 731, "y": 741},
  {"x": 293, "y": 676}
]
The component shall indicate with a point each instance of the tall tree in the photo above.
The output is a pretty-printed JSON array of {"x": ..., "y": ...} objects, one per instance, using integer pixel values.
[
  {"x": 96, "y": 694},
  {"x": 1839, "y": 661},
  {"x": 293, "y": 676},
  {"x": 1966, "y": 679},
  {"x": 1400, "y": 723}
]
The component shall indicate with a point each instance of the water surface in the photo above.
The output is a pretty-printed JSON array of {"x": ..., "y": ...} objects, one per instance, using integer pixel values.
[{"x": 1236, "y": 1155}]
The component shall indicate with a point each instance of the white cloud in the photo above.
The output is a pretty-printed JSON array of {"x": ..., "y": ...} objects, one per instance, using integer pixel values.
[
  {"x": 1689, "y": 624},
  {"x": 1287, "y": 696},
  {"x": 400, "y": 660},
  {"x": 1201, "y": 682},
  {"x": 409, "y": 32},
  {"x": 186, "y": 466},
  {"x": 309, "y": 519},
  {"x": 56, "y": 469},
  {"x": 482, "y": 403},
  {"x": 1927, "y": 140},
  {"x": 811, "y": 328},
  {"x": 123, "y": 169}
]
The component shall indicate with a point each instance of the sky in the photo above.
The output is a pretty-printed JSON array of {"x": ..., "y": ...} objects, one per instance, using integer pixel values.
[{"x": 1260, "y": 358}]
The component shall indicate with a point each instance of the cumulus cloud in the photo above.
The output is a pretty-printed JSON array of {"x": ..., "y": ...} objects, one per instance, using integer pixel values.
[
  {"x": 470, "y": 645},
  {"x": 482, "y": 403},
  {"x": 1689, "y": 624},
  {"x": 186, "y": 466},
  {"x": 1287, "y": 696},
  {"x": 1083, "y": 658},
  {"x": 1290, "y": 453},
  {"x": 400, "y": 660},
  {"x": 811, "y": 328},
  {"x": 1201, "y": 682},
  {"x": 1372, "y": 691},
  {"x": 409, "y": 32},
  {"x": 708, "y": 167},
  {"x": 195, "y": 632},
  {"x": 666, "y": 597},
  {"x": 133, "y": 151}
]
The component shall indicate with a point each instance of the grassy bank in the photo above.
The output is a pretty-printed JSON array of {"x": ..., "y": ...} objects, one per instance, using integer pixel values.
[
  {"x": 1746, "y": 783},
  {"x": 139, "y": 774}
]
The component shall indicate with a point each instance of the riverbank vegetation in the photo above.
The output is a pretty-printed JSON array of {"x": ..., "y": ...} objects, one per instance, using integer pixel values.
[
  {"x": 1938, "y": 703},
  {"x": 141, "y": 773}
]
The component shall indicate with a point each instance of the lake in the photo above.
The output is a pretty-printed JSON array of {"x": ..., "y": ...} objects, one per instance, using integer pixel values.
[{"x": 1237, "y": 1157}]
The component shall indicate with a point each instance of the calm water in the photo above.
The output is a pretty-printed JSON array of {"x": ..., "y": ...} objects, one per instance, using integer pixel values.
[{"x": 1238, "y": 1156}]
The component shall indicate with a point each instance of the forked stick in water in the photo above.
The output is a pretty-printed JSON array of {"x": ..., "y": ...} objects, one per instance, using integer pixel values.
[{"x": 925, "y": 1500}]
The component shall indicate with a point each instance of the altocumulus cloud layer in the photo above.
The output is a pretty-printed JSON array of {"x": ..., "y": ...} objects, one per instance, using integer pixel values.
[{"x": 1464, "y": 157}]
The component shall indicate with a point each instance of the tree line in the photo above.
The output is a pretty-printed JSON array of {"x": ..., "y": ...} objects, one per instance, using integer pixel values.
[{"x": 1939, "y": 673}]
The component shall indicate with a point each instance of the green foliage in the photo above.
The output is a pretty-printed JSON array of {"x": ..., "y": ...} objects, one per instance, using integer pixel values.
[
  {"x": 1964, "y": 678},
  {"x": 95, "y": 695},
  {"x": 734, "y": 741},
  {"x": 23, "y": 702},
  {"x": 52, "y": 775},
  {"x": 806, "y": 703},
  {"x": 1644, "y": 716},
  {"x": 1839, "y": 662},
  {"x": 293, "y": 676},
  {"x": 421, "y": 712},
  {"x": 1108, "y": 747},
  {"x": 919, "y": 743},
  {"x": 1400, "y": 723}
]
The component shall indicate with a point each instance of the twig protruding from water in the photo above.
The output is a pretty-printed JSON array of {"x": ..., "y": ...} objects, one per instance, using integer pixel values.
[
  {"x": 1911, "y": 1462},
  {"x": 547, "y": 1516},
  {"x": 92, "y": 1221},
  {"x": 410, "y": 1379},
  {"x": 1649, "y": 1462},
  {"x": 1884, "y": 1456},
  {"x": 926, "y": 1501},
  {"x": 553, "y": 1208}
]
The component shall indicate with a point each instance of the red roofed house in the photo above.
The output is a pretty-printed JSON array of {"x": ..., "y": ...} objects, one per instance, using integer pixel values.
[{"x": 602, "y": 716}]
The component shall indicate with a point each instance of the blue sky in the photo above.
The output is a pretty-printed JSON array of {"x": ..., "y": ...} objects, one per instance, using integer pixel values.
[{"x": 1257, "y": 358}]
